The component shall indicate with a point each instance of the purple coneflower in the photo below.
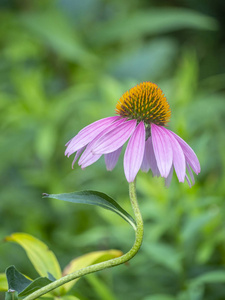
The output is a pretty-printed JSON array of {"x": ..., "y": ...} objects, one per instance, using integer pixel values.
[{"x": 143, "y": 111}]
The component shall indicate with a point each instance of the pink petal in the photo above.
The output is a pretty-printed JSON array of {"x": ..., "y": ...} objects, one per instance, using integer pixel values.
[
  {"x": 162, "y": 149},
  {"x": 178, "y": 156},
  {"x": 169, "y": 178},
  {"x": 188, "y": 181},
  {"x": 112, "y": 158},
  {"x": 77, "y": 155},
  {"x": 149, "y": 161},
  {"x": 87, "y": 134},
  {"x": 115, "y": 138},
  {"x": 87, "y": 155},
  {"x": 191, "y": 174},
  {"x": 90, "y": 160},
  {"x": 145, "y": 166},
  {"x": 134, "y": 153},
  {"x": 190, "y": 155}
]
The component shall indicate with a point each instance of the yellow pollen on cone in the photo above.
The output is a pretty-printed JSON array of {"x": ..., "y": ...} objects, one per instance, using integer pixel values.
[{"x": 144, "y": 102}]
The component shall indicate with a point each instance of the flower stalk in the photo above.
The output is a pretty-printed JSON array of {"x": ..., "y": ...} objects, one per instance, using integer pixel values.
[{"x": 106, "y": 264}]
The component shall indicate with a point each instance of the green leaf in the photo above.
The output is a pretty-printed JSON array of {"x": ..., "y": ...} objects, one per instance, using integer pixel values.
[
  {"x": 100, "y": 287},
  {"x": 43, "y": 260},
  {"x": 3, "y": 282},
  {"x": 16, "y": 281},
  {"x": 210, "y": 277},
  {"x": 57, "y": 32},
  {"x": 87, "y": 260},
  {"x": 35, "y": 285},
  {"x": 94, "y": 198},
  {"x": 154, "y": 21}
]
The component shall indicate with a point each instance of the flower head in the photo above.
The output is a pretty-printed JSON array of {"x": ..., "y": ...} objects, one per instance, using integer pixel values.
[{"x": 143, "y": 112}]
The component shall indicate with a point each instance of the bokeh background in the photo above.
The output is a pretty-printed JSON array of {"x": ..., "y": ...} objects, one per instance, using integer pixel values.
[{"x": 64, "y": 64}]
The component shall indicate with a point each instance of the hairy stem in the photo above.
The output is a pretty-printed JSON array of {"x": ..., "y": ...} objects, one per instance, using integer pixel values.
[{"x": 106, "y": 264}]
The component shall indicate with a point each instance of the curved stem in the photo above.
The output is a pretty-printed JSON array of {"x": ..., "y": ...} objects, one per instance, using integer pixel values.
[{"x": 106, "y": 264}]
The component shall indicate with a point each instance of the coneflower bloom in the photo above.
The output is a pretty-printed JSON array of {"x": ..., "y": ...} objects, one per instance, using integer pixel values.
[{"x": 143, "y": 111}]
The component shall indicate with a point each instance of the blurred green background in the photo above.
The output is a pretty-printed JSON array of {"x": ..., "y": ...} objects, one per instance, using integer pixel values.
[{"x": 64, "y": 64}]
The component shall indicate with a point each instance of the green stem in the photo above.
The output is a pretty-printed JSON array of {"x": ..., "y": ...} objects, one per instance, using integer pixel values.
[{"x": 106, "y": 264}]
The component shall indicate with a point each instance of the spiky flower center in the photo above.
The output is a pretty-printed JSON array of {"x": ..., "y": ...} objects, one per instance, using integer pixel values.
[{"x": 144, "y": 102}]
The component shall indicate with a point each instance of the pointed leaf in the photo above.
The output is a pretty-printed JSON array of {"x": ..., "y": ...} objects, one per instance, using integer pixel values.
[
  {"x": 43, "y": 260},
  {"x": 16, "y": 281},
  {"x": 87, "y": 260},
  {"x": 94, "y": 198}
]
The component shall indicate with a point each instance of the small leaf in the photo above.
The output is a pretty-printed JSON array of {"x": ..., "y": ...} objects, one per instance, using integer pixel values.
[
  {"x": 87, "y": 260},
  {"x": 16, "y": 281},
  {"x": 43, "y": 260},
  {"x": 35, "y": 285},
  {"x": 3, "y": 282},
  {"x": 94, "y": 198}
]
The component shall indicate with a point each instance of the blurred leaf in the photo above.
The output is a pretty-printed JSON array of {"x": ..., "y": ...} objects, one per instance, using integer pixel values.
[
  {"x": 87, "y": 260},
  {"x": 68, "y": 297},
  {"x": 194, "y": 224},
  {"x": 144, "y": 61},
  {"x": 100, "y": 287},
  {"x": 154, "y": 21},
  {"x": 160, "y": 297},
  {"x": 54, "y": 28},
  {"x": 210, "y": 277},
  {"x": 16, "y": 281},
  {"x": 94, "y": 198},
  {"x": 43, "y": 260},
  {"x": 165, "y": 255},
  {"x": 3, "y": 282}
]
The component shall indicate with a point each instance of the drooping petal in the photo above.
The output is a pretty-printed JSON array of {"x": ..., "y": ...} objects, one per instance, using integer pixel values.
[
  {"x": 112, "y": 158},
  {"x": 87, "y": 134},
  {"x": 188, "y": 181},
  {"x": 178, "y": 156},
  {"x": 90, "y": 160},
  {"x": 77, "y": 155},
  {"x": 114, "y": 139},
  {"x": 145, "y": 165},
  {"x": 153, "y": 163},
  {"x": 134, "y": 153},
  {"x": 190, "y": 155},
  {"x": 87, "y": 155},
  {"x": 162, "y": 149},
  {"x": 169, "y": 178},
  {"x": 191, "y": 174}
]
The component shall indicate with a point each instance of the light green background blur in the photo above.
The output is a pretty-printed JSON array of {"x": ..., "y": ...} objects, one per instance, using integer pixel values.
[{"x": 63, "y": 65}]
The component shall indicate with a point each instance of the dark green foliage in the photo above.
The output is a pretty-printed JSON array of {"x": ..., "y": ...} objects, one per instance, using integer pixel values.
[{"x": 19, "y": 283}]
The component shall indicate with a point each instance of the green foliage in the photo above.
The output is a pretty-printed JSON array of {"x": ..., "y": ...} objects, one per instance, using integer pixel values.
[
  {"x": 64, "y": 64},
  {"x": 45, "y": 262}
]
